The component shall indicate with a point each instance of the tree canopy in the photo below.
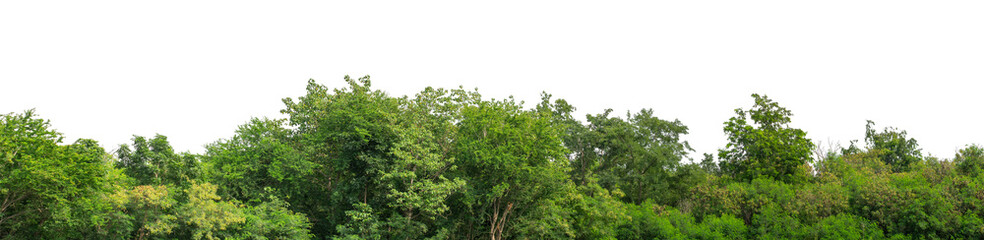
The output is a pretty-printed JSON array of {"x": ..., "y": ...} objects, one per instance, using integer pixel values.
[
  {"x": 767, "y": 146},
  {"x": 357, "y": 163}
]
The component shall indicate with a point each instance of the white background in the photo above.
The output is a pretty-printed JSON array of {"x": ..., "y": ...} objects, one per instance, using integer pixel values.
[{"x": 195, "y": 70}]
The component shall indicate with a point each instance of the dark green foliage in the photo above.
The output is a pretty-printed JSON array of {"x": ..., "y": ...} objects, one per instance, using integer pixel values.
[
  {"x": 895, "y": 149},
  {"x": 341, "y": 133},
  {"x": 638, "y": 155},
  {"x": 356, "y": 163},
  {"x": 257, "y": 158},
  {"x": 365, "y": 154},
  {"x": 513, "y": 162},
  {"x": 970, "y": 160},
  {"x": 154, "y": 162}
]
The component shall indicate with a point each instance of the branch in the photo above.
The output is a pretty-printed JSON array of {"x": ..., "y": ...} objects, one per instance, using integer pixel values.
[
  {"x": 7, "y": 203},
  {"x": 13, "y": 216}
]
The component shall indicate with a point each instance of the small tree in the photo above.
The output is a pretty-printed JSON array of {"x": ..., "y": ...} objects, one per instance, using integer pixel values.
[
  {"x": 970, "y": 160},
  {"x": 897, "y": 150}
]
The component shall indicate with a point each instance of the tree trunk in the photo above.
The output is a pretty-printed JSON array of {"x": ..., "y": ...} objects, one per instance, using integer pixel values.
[{"x": 499, "y": 224}]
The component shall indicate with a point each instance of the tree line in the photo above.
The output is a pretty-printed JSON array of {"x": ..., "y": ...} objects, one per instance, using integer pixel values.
[{"x": 357, "y": 163}]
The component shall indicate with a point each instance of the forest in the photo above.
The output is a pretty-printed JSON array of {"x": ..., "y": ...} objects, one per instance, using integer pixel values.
[{"x": 357, "y": 163}]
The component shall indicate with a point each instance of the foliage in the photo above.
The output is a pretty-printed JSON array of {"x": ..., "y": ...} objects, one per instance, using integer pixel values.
[
  {"x": 637, "y": 155},
  {"x": 154, "y": 162},
  {"x": 766, "y": 147},
  {"x": 513, "y": 162},
  {"x": 48, "y": 187},
  {"x": 847, "y": 226},
  {"x": 970, "y": 160},
  {"x": 258, "y": 157},
  {"x": 896, "y": 150},
  {"x": 357, "y": 163}
]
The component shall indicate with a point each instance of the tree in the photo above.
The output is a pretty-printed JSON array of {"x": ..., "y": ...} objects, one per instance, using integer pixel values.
[
  {"x": 637, "y": 155},
  {"x": 148, "y": 209},
  {"x": 153, "y": 161},
  {"x": 413, "y": 180},
  {"x": 357, "y": 163},
  {"x": 378, "y": 157},
  {"x": 512, "y": 160},
  {"x": 339, "y": 132},
  {"x": 708, "y": 164},
  {"x": 41, "y": 182},
  {"x": 767, "y": 146},
  {"x": 261, "y": 155},
  {"x": 970, "y": 160},
  {"x": 897, "y": 151}
]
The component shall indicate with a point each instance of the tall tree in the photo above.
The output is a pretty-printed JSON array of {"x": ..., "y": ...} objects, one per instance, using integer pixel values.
[
  {"x": 412, "y": 174},
  {"x": 513, "y": 161},
  {"x": 767, "y": 146},
  {"x": 153, "y": 161},
  {"x": 339, "y": 132},
  {"x": 637, "y": 155},
  {"x": 378, "y": 155}
]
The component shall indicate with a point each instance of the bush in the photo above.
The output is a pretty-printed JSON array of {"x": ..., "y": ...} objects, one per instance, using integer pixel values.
[{"x": 847, "y": 226}]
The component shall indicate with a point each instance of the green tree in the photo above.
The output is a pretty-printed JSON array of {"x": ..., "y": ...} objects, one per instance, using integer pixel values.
[
  {"x": 708, "y": 164},
  {"x": 637, "y": 155},
  {"x": 153, "y": 161},
  {"x": 339, "y": 132},
  {"x": 847, "y": 226},
  {"x": 413, "y": 180},
  {"x": 273, "y": 219},
  {"x": 895, "y": 149},
  {"x": 970, "y": 160},
  {"x": 378, "y": 155},
  {"x": 44, "y": 185},
  {"x": 148, "y": 209},
  {"x": 261, "y": 155},
  {"x": 767, "y": 146},
  {"x": 513, "y": 161},
  {"x": 362, "y": 225},
  {"x": 206, "y": 216}
]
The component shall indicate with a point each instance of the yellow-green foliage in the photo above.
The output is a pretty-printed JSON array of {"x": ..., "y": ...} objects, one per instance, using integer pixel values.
[{"x": 207, "y": 214}]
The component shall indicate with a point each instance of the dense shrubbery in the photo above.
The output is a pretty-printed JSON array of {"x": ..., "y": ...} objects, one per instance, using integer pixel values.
[{"x": 355, "y": 163}]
